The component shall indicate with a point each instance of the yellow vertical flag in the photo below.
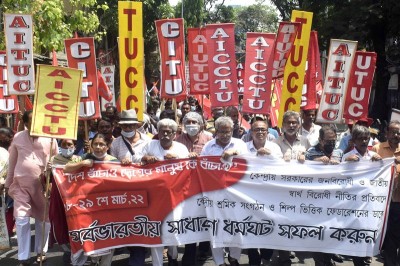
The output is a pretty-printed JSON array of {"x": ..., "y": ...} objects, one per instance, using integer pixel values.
[
  {"x": 56, "y": 107},
  {"x": 293, "y": 77},
  {"x": 131, "y": 56}
]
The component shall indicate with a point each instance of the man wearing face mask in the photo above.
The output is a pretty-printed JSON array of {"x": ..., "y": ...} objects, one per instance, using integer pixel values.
[
  {"x": 194, "y": 139},
  {"x": 325, "y": 150},
  {"x": 126, "y": 147},
  {"x": 326, "y": 153}
]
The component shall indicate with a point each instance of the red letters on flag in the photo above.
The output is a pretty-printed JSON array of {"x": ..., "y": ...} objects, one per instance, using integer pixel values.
[
  {"x": 222, "y": 64},
  {"x": 172, "y": 52},
  {"x": 360, "y": 83}
]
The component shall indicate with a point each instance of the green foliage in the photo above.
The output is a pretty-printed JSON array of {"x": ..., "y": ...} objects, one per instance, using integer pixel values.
[{"x": 56, "y": 20}]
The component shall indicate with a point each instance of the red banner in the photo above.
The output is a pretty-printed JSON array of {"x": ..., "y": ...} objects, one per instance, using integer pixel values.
[
  {"x": 172, "y": 52},
  {"x": 283, "y": 45},
  {"x": 198, "y": 59},
  {"x": 240, "y": 76},
  {"x": 360, "y": 83},
  {"x": 258, "y": 75},
  {"x": 309, "y": 99},
  {"x": 81, "y": 55},
  {"x": 222, "y": 64},
  {"x": 8, "y": 103}
]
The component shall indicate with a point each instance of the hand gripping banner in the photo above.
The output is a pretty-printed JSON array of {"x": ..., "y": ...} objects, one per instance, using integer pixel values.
[{"x": 251, "y": 203}]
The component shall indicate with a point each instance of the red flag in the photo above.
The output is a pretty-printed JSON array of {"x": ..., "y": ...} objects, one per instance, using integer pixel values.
[
  {"x": 222, "y": 64},
  {"x": 172, "y": 52},
  {"x": 198, "y": 58},
  {"x": 258, "y": 74},
  {"x": 102, "y": 87},
  {"x": 54, "y": 60},
  {"x": 359, "y": 87}
]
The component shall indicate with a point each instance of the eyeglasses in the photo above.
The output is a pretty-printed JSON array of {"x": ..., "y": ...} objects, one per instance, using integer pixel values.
[
  {"x": 224, "y": 132},
  {"x": 166, "y": 132},
  {"x": 261, "y": 130},
  {"x": 394, "y": 132}
]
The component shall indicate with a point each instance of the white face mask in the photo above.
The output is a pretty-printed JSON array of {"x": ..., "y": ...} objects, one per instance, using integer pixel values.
[
  {"x": 128, "y": 134},
  {"x": 100, "y": 156},
  {"x": 67, "y": 153},
  {"x": 192, "y": 130}
]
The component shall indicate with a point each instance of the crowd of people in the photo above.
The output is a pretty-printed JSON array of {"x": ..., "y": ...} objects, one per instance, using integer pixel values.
[{"x": 170, "y": 133}]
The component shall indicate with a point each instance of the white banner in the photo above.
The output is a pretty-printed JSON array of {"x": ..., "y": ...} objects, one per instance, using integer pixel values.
[
  {"x": 251, "y": 203},
  {"x": 20, "y": 67},
  {"x": 108, "y": 73}
]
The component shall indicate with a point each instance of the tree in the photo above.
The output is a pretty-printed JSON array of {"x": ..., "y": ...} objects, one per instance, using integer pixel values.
[
  {"x": 374, "y": 24},
  {"x": 56, "y": 20}
]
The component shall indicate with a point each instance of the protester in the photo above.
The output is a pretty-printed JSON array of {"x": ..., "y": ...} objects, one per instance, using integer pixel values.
[
  {"x": 360, "y": 136},
  {"x": 28, "y": 158},
  {"x": 164, "y": 148},
  {"x": 259, "y": 144},
  {"x": 293, "y": 145},
  {"x": 6, "y": 137},
  {"x": 216, "y": 112},
  {"x": 326, "y": 153},
  {"x": 308, "y": 128},
  {"x": 270, "y": 136},
  {"x": 387, "y": 149},
  {"x": 127, "y": 146},
  {"x": 99, "y": 146},
  {"x": 226, "y": 146},
  {"x": 233, "y": 113},
  {"x": 58, "y": 220},
  {"x": 194, "y": 139}
]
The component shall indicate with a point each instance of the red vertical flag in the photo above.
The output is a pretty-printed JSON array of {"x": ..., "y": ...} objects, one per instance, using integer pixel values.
[
  {"x": 258, "y": 75},
  {"x": 222, "y": 64},
  {"x": 172, "y": 52},
  {"x": 359, "y": 87},
  {"x": 81, "y": 55},
  {"x": 198, "y": 59}
]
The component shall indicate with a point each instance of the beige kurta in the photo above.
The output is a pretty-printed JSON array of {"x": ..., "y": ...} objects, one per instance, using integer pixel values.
[{"x": 28, "y": 157}]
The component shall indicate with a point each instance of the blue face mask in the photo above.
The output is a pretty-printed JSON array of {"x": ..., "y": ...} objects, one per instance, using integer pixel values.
[{"x": 67, "y": 153}]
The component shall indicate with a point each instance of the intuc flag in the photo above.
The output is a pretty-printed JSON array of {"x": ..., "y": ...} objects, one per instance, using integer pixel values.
[
  {"x": 56, "y": 108},
  {"x": 293, "y": 77},
  {"x": 258, "y": 75},
  {"x": 313, "y": 75},
  {"x": 8, "y": 103},
  {"x": 131, "y": 56},
  {"x": 359, "y": 88},
  {"x": 20, "y": 67},
  {"x": 222, "y": 64},
  {"x": 341, "y": 54},
  {"x": 81, "y": 55},
  {"x": 198, "y": 61},
  {"x": 171, "y": 41}
]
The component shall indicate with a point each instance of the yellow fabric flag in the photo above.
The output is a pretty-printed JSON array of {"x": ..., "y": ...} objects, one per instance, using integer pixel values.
[
  {"x": 131, "y": 56},
  {"x": 293, "y": 77},
  {"x": 56, "y": 106}
]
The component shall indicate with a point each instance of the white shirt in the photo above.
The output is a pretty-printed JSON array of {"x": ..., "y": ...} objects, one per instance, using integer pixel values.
[
  {"x": 368, "y": 155},
  {"x": 120, "y": 151},
  {"x": 212, "y": 148},
  {"x": 311, "y": 135},
  {"x": 154, "y": 148},
  {"x": 275, "y": 150}
]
